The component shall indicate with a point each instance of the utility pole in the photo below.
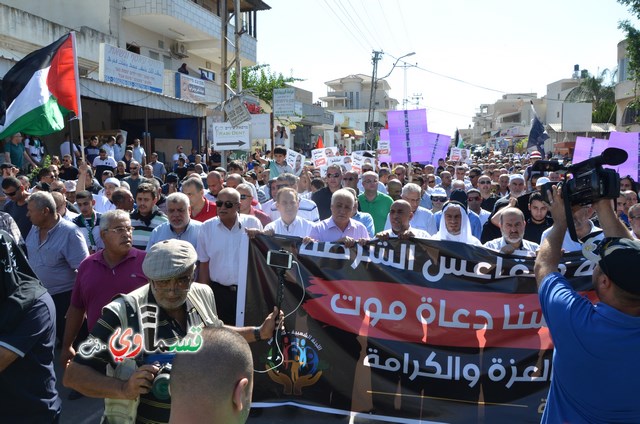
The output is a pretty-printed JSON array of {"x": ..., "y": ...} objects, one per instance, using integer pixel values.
[
  {"x": 371, "y": 133},
  {"x": 416, "y": 98}
]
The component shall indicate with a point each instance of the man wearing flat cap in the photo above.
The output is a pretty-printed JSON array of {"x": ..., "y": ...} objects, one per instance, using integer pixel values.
[
  {"x": 595, "y": 377},
  {"x": 169, "y": 311}
]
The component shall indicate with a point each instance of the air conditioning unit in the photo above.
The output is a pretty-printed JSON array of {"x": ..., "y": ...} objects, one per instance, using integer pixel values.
[{"x": 179, "y": 49}]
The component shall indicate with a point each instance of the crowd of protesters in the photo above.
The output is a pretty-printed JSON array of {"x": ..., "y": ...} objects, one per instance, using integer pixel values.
[{"x": 84, "y": 226}]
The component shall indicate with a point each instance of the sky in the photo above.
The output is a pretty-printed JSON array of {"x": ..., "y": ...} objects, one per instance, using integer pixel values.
[{"x": 467, "y": 52}]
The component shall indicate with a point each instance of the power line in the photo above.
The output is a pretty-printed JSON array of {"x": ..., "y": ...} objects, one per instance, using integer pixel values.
[
  {"x": 453, "y": 78},
  {"x": 346, "y": 26},
  {"x": 404, "y": 25},
  {"x": 365, "y": 27}
]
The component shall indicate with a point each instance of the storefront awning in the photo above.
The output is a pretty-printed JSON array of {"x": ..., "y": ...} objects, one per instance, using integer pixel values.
[{"x": 131, "y": 96}]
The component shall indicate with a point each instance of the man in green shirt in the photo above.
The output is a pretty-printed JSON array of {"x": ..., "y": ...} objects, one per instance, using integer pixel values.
[
  {"x": 15, "y": 152},
  {"x": 373, "y": 202}
]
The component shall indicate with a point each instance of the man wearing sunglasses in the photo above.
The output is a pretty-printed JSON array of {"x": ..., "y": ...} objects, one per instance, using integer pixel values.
[
  {"x": 16, "y": 205},
  {"x": 595, "y": 372},
  {"x": 322, "y": 197},
  {"x": 219, "y": 251}
]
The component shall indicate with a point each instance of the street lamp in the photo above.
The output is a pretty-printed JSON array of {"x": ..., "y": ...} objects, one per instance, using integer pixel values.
[
  {"x": 396, "y": 63},
  {"x": 374, "y": 87}
]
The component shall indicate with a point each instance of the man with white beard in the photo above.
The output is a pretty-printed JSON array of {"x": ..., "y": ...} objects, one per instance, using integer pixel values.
[{"x": 512, "y": 227}]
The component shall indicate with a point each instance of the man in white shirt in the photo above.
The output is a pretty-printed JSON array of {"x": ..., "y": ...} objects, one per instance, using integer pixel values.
[
  {"x": 69, "y": 148},
  {"x": 289, "y": 223},
  {"x": 219, "y": 251},
  {"x": 400, "y": 216},
  {"x": 138, "y": 152},
  {"x": 307, "y": 208},
  {"x": 634, "y": 220},
  {"x": 422, "y": 219},
  {"x": 584, "y": 229},
  {"x": 512, "y": 227}
]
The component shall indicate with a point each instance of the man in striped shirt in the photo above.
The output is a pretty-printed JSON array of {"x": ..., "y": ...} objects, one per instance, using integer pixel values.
[{"x": 147, "y": 216}]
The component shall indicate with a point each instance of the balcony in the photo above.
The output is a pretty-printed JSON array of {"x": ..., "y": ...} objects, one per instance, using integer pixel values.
[{"x": 196, "y": 27}]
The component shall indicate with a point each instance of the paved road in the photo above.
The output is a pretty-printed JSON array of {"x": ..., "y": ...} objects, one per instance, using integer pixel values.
[{"x": 88, "y": 411}]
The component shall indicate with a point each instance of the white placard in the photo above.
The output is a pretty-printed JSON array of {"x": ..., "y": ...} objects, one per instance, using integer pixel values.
[
  {"x": 227, "y": 137},
  {"x": 260, "y": 126},
  {"x": 284, "y": 102},
  {"x": 295, "y": 160}
]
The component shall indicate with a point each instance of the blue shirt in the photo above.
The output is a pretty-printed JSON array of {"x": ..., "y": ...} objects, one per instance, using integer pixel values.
[
  {"x": 367, "y": 220},
  {"x": 56, "y": 260},
  {"x": 596, "y": 377},
  {"x": 165, "y": 232},
  {"x": 328, "y": 231}
]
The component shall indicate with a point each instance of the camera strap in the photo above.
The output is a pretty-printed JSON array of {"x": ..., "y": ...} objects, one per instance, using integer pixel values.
[{"x": 569, "y": 216}]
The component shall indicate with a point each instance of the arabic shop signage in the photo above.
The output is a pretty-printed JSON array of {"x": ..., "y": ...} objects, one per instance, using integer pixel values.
[
  {"x": 189, "y": 88},
  {"x": 126, "y": 68},
  {"x": 403, "y": 330}
]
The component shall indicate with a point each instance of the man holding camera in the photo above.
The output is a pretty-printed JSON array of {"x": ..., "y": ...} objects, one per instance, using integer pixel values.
[
  {"x": 164, "y": 316},
  {"x": 595, "y": 373}
]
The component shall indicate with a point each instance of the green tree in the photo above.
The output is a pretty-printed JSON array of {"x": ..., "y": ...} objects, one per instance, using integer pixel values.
[
  {"x": 261, "y": 81},
  {"x": 598, "y": 90}
]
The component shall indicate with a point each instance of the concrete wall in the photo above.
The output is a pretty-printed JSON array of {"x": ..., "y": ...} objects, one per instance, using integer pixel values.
[{"x": 73, "y": 14}]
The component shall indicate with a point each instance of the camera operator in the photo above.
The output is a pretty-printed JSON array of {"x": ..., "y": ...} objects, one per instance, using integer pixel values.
[
  {"x": 181, "y": 306},
  {"x": 595, "y": 373}
]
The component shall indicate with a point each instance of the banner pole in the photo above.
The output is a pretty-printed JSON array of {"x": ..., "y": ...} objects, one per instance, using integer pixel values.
[{"x": 77, "y": 80}]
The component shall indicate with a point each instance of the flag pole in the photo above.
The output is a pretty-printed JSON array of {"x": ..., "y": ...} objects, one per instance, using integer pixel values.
[{"x": 77, "y": 79}]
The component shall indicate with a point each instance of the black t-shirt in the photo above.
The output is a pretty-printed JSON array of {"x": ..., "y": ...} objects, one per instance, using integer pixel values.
[
  {"x": 32, "y": 397},
  {"x": 19, "y": 215},
  {"x": 533, "y": 232},
  {"x": 322, "y": 198},
  {"x": 70, "y": 173}
]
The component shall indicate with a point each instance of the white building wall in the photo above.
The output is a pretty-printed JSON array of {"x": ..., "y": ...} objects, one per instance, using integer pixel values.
[{"x": 70, "y": 13}]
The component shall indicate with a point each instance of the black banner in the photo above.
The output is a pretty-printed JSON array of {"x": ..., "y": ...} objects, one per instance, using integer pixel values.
[{"x": 405, "y": 331}]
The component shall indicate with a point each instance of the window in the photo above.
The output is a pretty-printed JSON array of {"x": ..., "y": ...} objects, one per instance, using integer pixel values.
[
  {"x": 357, "y": 100},
  {"x": 154, "y": 55},
  {"x": 631, "y": 115},
  {"x": 133, "y": 48}
]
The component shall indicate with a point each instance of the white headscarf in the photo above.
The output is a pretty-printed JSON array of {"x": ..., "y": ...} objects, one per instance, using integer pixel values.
[{"x": 465, "y": 235}]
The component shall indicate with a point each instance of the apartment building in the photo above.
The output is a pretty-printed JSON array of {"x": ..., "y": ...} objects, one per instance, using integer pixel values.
[
  {"x": 350, "y": 96},
  {"x": 129, "y": 53}
]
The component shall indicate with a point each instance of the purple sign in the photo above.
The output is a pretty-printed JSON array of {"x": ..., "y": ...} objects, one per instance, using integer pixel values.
[
  {"x": 410, "y": 140},
  {"x": 588, "y": 147},
  {"x": 630, "y": 142},
  {"x": 434, "y": 147}
]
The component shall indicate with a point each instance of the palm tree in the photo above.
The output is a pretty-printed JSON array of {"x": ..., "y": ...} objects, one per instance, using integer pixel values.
[{"x": 598, "y": 90}]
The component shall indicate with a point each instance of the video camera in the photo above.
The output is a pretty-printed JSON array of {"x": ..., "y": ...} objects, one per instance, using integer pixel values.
[{"x": 590, "y": 180}]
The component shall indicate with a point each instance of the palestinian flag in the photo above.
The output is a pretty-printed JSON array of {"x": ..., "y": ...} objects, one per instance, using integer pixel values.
[{"x": 40, "y": 90}]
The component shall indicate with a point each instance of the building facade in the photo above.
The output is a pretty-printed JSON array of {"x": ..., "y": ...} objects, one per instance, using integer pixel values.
[
  {"x": 351, "y": 97},
  {"x": 129, "y": 52}
]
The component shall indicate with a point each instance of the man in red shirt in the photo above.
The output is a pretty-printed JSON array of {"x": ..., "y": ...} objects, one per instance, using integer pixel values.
[
  {"x": 201, "y": 208},
  {"x": 114, "y": 270}
]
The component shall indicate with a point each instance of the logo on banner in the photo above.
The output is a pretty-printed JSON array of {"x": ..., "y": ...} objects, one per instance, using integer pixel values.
[{"x": 299, "y": 362}]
